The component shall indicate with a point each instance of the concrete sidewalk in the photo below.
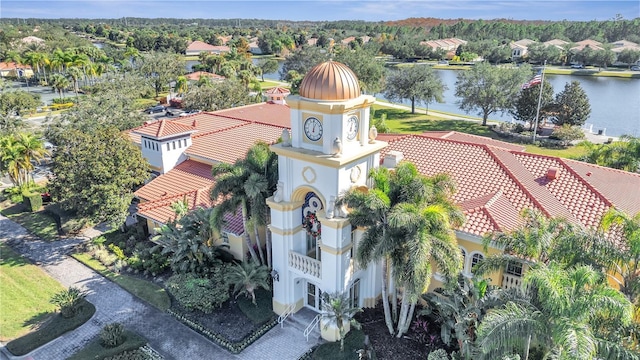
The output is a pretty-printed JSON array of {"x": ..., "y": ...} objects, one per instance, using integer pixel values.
[{"x": 166, "y": 335}]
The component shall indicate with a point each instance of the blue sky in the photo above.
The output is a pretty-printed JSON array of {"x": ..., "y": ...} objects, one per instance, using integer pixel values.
[{"x": 317, "y": 10}]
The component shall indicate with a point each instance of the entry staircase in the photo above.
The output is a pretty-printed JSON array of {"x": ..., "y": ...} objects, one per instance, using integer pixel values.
[{"x": 305, "y": 320}]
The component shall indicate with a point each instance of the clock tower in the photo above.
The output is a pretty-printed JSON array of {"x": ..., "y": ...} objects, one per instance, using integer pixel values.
[{"x": 330, "y": 150}]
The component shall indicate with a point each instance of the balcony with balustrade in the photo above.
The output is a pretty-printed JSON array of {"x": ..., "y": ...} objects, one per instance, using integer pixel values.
[
  {"x": 305, "y": 265},
  {"x": 511, "y": 281}
]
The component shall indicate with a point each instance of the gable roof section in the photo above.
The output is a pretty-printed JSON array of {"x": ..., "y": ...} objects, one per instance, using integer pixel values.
[
  {"x": 474, "y": 139},
  {"x": 163, "y": 129},
  {"x": 203, "y": 46},
  {"x": 266, "y": 113},
  {"x": 231, "y": 144},
  {"x": 185, "y": 177},
  {"x": 161, "y": 211},
  {"x": 494, "y": 184}
]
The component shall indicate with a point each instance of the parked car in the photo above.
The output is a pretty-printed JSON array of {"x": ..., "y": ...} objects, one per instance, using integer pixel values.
[
  {"x": 191, "y": 112},
  {"x": 156, "y": 109},
  {"x": 577, "y": 66},
  {"x": 635, "y": 68},
  {"x": 443, "y": 62},
  {"x": 174, "y": 112}
]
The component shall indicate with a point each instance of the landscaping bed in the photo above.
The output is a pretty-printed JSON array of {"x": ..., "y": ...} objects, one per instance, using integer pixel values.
[
  {"x": 54, "y": 328},
  {"x": 385, "y": 345},
  {"x": 229, "y": 326},
  {"x": 95, "y": 350}
]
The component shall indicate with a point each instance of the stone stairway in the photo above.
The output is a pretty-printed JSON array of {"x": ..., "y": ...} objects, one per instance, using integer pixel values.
[{"x": 301, "y": 319}]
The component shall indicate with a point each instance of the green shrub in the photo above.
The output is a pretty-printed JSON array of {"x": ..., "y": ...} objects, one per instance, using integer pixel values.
[
  {"x": 262, "y": 311},
  {"x": 112, "y": 335},
  {"x": 74, "y": 225},
  {"x": 194, "y": 293},
  {"x": 52, "y": 330},
  {"x": 128, "y": 350},
  {"x": 32, "y": 200},
  {"x": 155, "y": 263},
  {"x": 117, "y": 251},
  {"x": 105, "y": 257},
  {"x": 567, "y": 133},
  {"x": 439, "y": 354},
  {"x": 69, "y": 301}
]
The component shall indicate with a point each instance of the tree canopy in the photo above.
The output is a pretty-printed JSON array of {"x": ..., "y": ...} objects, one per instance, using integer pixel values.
[
  {"x": 95, "y": 173},
  {"x": 417, "y": 83}
]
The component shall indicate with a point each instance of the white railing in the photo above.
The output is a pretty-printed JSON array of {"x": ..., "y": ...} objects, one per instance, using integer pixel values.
[
  {"x": 311, "y": 326},
  {"x": 511, "y": 281},
  {"x": 288, "y": 311},
  {"x": 305, "y": 264}
]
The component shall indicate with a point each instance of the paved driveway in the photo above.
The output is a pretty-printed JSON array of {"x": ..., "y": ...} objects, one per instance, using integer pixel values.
[{"x": 170, "y": 338}]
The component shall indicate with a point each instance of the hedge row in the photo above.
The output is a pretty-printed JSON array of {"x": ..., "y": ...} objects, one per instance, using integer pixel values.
[{"x": 33, "y": 200}]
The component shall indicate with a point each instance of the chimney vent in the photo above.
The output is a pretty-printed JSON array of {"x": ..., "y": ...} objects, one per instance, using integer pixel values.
[
  {"x": 552, "y": 173},
  {"x": 194, "y": 123},
  {"x": 392, "y": 159}
]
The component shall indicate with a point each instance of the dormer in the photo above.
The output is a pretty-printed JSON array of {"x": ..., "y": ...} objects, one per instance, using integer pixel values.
[
  {"x": 163, "y": 143},
  {"x": 277, "y": 95}
]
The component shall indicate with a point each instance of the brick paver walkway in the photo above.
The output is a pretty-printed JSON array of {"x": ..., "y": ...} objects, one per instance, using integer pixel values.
[{"x": 170, "y": 338}]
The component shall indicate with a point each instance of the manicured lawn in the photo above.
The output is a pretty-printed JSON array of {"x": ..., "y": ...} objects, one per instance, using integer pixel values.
[
  {"x": 25, "y": 291},
  {"x": 268, "y": 84},
  {"x": 145, "y": 290},
  {"x": 403, "y": 122},
  {"x": 37, "y": 223}
]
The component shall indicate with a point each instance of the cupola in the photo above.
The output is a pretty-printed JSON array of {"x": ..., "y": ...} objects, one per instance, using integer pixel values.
[{"x": 330, "y": 81}]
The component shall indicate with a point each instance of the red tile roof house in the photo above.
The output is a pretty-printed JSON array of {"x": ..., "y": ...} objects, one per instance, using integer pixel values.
[
  {"x": 196, "y": 47},
  {"x": 495, "y": 180}
]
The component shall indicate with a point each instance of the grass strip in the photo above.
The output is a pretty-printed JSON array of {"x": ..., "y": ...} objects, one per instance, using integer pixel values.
[
  {"x": 96, "y": 351},
  {"x": 145, "y": 290},
  {"x": 25, "y": 291},
  {"x": 53, "y": 329},
  {"x": 37, "y": 223}
]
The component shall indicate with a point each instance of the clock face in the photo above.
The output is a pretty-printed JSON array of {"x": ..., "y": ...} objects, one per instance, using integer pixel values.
[
  {"x": 313, "y": 129},
  {"x": 352, "y": 127}
]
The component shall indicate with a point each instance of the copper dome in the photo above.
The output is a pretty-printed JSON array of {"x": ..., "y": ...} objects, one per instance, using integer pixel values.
[{"x": 330, "y": 81}]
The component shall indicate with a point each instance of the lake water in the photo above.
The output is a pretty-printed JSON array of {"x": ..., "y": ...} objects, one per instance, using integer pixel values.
[{"x": 615, "y": 102}]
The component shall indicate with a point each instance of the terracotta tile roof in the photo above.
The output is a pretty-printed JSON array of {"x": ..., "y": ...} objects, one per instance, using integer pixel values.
[
  {"x": 161, "y": 211},
  {"x": 474, "y": 139},
  {"x": 206, "y": 122},
  {"x": 163, "y": 129},
  {"x": 266, "y": 113},
  {"x": 13, "y": 65},
  {"x": 620, "y": 188},
  {"x": 185, "y": 177},
  {"x": 202, "y": 46},
  {"x": 233, "y": 223},
  {"x": 277, "y": 90},
  {"x": 495, "y": 184},
  {"x": 231, "y": 144},
  {"x": 195, "y": 76}
]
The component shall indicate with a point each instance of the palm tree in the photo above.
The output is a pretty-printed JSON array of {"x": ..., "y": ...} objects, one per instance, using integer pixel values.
[
  {"x": 74, "y": 73},
  {"x": 182, "y": 85},
  {"x": 246, "y": 277},
  {"x": 190, "y": 241},
  {"x": 565, "y": 316},
  {"x": 532, "y": 243},
  {"x": 132, "y": 54},
  {"x": 230, "y": 179},
  {"x": 246, "y": 185},
  {"x": 31, "y": 148},
  {"x": 460, "y": 305},
  {"x": 10, "y": 159},
  {"x": 408, "y": 220},
  {"x": 59, "y": 83},
  {"x": 623, "y": 255},
  {"x": 337, "y": 310}
]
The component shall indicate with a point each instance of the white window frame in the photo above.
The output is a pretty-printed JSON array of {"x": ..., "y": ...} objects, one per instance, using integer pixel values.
[{"x": 470, "y": 261}]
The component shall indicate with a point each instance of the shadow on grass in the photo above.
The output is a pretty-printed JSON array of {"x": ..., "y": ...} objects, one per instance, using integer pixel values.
[
  {"x": 39, "y": 321},
  {"x": 8, "y": 257}
]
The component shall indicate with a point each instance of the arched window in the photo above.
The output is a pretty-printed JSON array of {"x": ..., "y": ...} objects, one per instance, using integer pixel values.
[{"x": 475, "y": 259}]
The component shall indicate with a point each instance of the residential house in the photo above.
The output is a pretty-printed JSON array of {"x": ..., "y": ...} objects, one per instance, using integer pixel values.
[
  {"x": 557, "y": 43},
  {"x": 328, "y": 148},
  {"x": 195, "y": 76},
  {"x": 254, "y": 48},
  {"x": 197, "y": 47},
  {"x": 520, "y": 48},
  {"x": 622, "y": 45},
  {"x": 580, "y": 45},
  {"x": 31, "y": 40},
  {"x": 13, "y": 69}
]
